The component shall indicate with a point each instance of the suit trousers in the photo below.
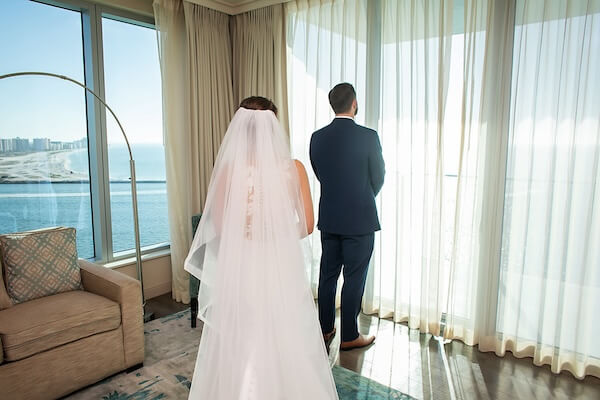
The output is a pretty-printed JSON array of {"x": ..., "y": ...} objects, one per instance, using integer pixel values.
[{"x": 349, "y": 254}]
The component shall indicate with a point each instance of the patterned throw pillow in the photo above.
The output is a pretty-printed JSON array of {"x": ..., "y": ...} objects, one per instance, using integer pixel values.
[{"x": 40, "y": 263}]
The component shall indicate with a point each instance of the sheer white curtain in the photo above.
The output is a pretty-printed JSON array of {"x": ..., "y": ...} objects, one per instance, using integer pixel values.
[
  {"x": 326, "y": 44},
  {"x": 426, "y": 224},
  {"x": 488, "y": 118},
  {"x": 550, "y": 264},
  {"x": 445, "y": 90},
  {"x": 423, "y": 70}
]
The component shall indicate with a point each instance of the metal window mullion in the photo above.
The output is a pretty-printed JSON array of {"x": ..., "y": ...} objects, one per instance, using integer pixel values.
[
  {"x": 98, "y": 150},
  {"x": 373, "y": 68},
  {"x": 373, "y": 97}
]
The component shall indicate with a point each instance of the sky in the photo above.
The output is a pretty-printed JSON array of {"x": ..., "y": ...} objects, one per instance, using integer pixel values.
[{"x": 38, "y": 37}]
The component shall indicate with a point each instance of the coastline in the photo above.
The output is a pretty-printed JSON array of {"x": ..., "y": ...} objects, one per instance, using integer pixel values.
[
  {"x": 44, "y": 166},
  {"x": 71, "y": 166}
]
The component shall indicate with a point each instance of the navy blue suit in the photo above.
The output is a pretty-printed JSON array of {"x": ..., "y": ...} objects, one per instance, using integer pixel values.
[{"x": 348, "y": 162}]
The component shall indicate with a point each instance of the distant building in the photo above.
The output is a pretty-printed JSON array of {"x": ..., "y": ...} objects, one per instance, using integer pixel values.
[
  {"x": 22, "y": 145},
  {"x": 42, "y": 144},
  {"x": 6, "y": 146},
  {"x": 19, "y": 145},
  {"x": 81, "y": 143}
]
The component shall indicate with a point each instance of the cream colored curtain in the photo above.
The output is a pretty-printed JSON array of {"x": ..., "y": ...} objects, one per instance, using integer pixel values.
[
  {"x": 326, "y": 45},
  {"x": 445, "y": 90},
  {"x": 420, "y": 134},
  {"x": 488, "y": 117},
  {"x": 170, "y": 26},
  {"x": 209, "y": 92},
  {"x": 549, "y": 275},
  {"x": 195, "y": 56},
  {"x": 258, "y": 48}
]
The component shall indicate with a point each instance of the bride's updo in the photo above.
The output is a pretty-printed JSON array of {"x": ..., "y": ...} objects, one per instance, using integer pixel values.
[{"x": 258, "y": 103}]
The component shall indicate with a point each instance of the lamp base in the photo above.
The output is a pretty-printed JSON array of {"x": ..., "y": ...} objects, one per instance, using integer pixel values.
[
  {"x": 148, "y": 314},
  {"x": 442, "y": 340}
]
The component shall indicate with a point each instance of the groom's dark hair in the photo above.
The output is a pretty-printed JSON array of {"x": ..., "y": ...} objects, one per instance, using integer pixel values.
[
  {"x": 258, "y": 103},
  {"x": 341, "y": 97}
]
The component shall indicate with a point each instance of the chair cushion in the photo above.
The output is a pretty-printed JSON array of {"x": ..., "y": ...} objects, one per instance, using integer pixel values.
[
  {"x": 40, "y": 263},
  {"x": 42, "y": 324}
]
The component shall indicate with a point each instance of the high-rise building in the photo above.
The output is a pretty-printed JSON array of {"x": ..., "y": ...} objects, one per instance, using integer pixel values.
[
  {"x": 42, "y": 144},
  {"x": 6, "y": 145},
  {"x": 22, "y": 145},
  {"x": 19, "y": 145},
  {"x": 81, "y": 143}
]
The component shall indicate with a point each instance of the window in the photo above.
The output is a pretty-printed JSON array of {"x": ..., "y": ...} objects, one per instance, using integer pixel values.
[
  {"x": 44, "y": 168},
  {"x": 135, "y": 81},
  {"x": 62, "y": 157}
]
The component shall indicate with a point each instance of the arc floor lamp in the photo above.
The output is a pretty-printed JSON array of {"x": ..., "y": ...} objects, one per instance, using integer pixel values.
[{"x": 138, "y": 253}]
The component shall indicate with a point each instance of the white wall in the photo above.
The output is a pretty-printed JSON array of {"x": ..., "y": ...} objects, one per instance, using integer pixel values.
[
  {"x": 157, "y": 269},
  {"x": 143, "y": 7},
  {"x": 157, "y": 273}
]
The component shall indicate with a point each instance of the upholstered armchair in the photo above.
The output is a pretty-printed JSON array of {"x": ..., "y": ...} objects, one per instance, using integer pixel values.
[{"x": 52, "y": 344}]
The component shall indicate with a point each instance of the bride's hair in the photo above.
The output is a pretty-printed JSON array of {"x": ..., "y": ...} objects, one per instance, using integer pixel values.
[{"x": 258, "y": 103}]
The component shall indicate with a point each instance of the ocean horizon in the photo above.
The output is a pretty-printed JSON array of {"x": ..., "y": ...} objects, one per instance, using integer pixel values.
[{"x": 149, "y": 162}]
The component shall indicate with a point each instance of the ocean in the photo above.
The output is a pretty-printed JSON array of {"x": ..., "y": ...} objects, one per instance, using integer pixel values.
[
  {"x": 149, "y": 162},
  {"x": 26, "y": 206}
]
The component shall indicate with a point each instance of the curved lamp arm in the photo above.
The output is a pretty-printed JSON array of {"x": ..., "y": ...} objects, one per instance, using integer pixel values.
[
  {"x": 66, "y": 78},
  {"x": 136, "y": 226}
]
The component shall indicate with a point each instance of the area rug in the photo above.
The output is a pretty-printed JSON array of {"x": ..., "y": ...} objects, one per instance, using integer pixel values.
[{"x": 171, "y": 347}]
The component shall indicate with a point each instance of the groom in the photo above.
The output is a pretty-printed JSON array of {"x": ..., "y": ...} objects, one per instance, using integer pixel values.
[{"x": 347, "y": 160}]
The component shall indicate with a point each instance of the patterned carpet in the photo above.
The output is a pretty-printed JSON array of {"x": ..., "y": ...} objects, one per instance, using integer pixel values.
[{"x": 171, "y": 347}]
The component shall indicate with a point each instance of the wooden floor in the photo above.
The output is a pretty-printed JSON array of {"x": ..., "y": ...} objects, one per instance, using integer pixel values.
[{"x": 418, "y": 365}]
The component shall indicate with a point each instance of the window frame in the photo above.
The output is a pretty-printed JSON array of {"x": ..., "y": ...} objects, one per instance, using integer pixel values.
[{"x": 93, "y": 62}]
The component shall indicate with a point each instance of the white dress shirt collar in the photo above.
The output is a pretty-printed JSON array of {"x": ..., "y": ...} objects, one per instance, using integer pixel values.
[{"x": 344, "y": 116}]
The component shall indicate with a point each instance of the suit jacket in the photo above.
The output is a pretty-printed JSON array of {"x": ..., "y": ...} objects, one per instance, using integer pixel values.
[{"x": 347, "y": 160}]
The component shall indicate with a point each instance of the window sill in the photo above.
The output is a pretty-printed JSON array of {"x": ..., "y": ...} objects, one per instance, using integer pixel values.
[{"x": 131, "y": 260}]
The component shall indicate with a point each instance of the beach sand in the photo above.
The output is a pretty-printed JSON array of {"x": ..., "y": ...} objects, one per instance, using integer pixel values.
[{"x": 46, "y": 166}]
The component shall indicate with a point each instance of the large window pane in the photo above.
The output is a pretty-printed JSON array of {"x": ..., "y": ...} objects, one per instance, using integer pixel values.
[
  {"x": 44, "y": 168},
  {"x": 133, "y": 90}
]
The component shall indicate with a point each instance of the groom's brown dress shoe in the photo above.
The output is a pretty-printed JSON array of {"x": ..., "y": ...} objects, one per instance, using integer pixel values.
[
  {"x": 328, "y": 337},
  {"x": 360, "y": 341}
]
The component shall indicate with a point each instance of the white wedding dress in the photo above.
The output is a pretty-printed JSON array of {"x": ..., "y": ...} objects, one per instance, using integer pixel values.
[{"x": 261, "y": 338}]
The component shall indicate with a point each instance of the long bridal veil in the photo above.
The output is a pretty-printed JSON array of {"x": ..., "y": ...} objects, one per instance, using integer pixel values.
[{"x": 261, "y": 338}]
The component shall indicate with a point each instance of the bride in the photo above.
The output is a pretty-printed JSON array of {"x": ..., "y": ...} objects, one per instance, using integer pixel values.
[{"x": 261, "y": 337}]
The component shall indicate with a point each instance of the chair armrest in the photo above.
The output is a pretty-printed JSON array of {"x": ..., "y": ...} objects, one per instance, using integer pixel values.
[
  {"x": 1, "y": 352},
  {"x": 127, "y": 292}
]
